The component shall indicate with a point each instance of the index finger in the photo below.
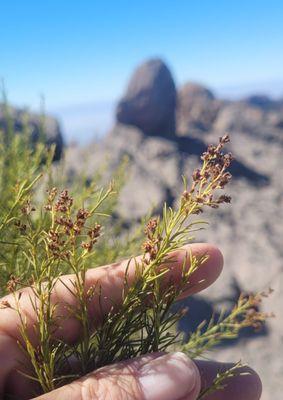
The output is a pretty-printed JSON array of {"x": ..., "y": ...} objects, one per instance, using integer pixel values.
[{"x": 111, "y": 279}]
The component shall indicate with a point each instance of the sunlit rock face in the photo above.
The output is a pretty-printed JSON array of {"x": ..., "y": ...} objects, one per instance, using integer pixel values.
[{"x": 150, "y": 100}]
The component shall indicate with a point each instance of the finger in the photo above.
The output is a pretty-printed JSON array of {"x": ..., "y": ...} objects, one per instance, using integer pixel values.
[
  {"x": 111, "y": 280},
  {"x": 246, "y": 385},
  {"x": 153, "y": 377},
  {"x": 205, "y": 275}
]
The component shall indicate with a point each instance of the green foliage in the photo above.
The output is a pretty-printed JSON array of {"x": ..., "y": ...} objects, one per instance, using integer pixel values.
[
  {"x": 221, "y": 380},
  {"x": 46, "y": 232},
  {"x": 26, "y": 173}
]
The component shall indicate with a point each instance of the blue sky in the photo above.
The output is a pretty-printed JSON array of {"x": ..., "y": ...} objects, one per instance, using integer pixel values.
[{"x": 77, "y": 52}]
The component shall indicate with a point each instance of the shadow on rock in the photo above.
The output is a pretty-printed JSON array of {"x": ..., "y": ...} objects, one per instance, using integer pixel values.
[{"x": 200, "y": 310}]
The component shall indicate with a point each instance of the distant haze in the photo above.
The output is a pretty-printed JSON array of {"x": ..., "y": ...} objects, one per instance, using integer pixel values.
[
  {"x": 85, "y": 122},
  {"x": 272, "y": 88}
]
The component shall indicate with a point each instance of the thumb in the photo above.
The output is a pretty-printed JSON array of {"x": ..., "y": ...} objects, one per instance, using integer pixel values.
[{"x": 156, "y": 376}]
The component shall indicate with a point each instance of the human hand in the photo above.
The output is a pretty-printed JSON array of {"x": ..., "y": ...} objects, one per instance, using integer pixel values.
[{"x": 156, "y": 376}]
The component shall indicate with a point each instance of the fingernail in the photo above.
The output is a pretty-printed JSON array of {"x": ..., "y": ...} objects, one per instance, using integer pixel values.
[{"x": 169, "y": 377}]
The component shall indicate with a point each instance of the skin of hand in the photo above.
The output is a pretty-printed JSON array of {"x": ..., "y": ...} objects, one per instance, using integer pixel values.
[{"x": 157, "y": 376}]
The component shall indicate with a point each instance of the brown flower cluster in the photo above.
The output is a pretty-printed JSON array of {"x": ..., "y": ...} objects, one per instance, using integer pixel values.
[
  {"x": 212, "y": 176},
  {"x": 206, "y": 181},
  {"x": 67, "y": 228},
  {"x": 52, "y": 193},
  {"x": 13, "y": 283},
  {"x": 4, "y": 304},
  {"x": 64, "y": 202},
  {"x": 56, "y": 244},
  {"x": 253, "y": 316},
  {"x": 153, "y": 239},
  {"x": 28, "y": 208},
  {"x": 81, "y": 218},
  {"x": 93, "y": 235}
]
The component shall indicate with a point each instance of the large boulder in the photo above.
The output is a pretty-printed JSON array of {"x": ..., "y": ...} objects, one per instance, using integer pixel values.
[
  {"x": 197, "y": 108},
  {"x": 45, "y": 127},
  {"x": 150, "y": 100}
]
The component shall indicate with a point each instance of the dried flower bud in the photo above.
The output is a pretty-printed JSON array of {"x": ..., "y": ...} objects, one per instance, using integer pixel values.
[
  {"x": 224, "y": 139},
  {"x": 94, "y": 232},
  {"x": 87, "y": 245},
  {"x": 27, "y": 208},
  {"x": 147, "y": 246},
  {"x": 211, "y": 150},
  {"x": 5, "y": 304},
  {"x": 151, "y": 227},
  {"x": 12, "y": 283},
  {"x": 64, "y": 203},
  {"x": 186, "y": 195},
  {"x": 82, "y": 216},
  {"x": 228, "y": 158},
  {"x": 224, "y": 198},
  {"x": 224, "y": 179},
  {"x": 197, "y": 175},
  {"x": 52, "y": 193}
]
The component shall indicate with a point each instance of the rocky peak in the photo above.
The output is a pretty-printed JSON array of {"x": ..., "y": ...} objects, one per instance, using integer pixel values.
[
  {"x": 20, "y": 118},
  {"x": 150, "y": 100},
  {"x": 197, "y": 108}
]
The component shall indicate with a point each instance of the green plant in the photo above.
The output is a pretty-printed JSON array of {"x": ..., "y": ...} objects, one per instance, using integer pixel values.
[{"x": 45, "y": 235}]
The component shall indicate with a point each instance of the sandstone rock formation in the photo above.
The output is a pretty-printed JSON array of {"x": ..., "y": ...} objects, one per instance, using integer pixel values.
[
  {"x": 150, "y": 100},
  {"x": 48, "y": 126}
]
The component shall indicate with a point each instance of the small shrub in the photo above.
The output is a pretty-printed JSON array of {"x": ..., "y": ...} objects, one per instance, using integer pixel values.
[{"x": 48, "y": 231}]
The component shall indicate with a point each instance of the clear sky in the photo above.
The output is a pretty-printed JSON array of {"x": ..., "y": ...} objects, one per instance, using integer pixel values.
[{"x": 76, "y": 52}]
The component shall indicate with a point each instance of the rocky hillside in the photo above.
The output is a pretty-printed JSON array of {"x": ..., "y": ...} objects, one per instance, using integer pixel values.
[
  {"x": 163, "y": 130},
  {"x": 37, "y": 125}
]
